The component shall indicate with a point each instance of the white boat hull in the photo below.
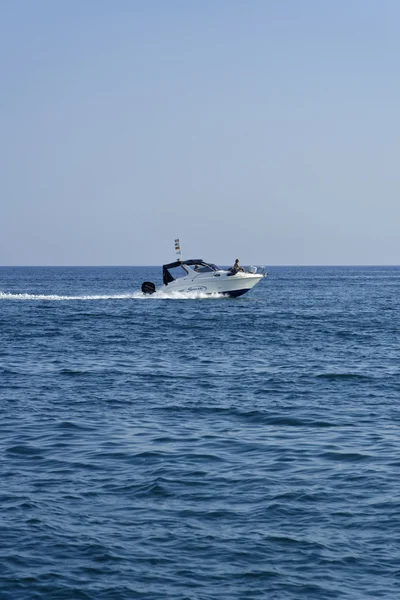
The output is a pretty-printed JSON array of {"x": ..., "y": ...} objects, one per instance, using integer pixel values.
[{"x": 220, "y": 282}]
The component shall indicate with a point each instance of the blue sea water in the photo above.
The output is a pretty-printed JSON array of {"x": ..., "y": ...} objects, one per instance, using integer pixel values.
[{"x": 199, "y": 448}]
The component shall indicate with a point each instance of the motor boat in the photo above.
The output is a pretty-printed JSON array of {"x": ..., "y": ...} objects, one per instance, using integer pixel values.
[{"x": 198, "y": 276}]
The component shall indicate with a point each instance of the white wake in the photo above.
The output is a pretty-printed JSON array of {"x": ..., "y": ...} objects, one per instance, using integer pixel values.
[{"x": 132, "y": 296}]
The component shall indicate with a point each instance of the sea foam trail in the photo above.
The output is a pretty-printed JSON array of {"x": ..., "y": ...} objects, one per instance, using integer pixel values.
[{"x": 133, "y": 296}]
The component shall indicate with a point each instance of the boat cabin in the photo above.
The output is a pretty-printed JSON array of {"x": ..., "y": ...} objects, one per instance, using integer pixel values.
[{"x": 182, "y": 268}]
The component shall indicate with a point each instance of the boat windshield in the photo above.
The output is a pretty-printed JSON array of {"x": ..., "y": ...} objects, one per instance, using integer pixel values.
[{"x": 207, "y": 268}]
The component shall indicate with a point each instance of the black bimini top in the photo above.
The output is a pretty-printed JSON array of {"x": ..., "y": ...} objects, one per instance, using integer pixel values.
[{"x": 178, "y": 263}]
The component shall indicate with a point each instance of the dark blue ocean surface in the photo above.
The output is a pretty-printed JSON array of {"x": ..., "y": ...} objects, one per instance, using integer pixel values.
[{"x": 200, "y": 449}]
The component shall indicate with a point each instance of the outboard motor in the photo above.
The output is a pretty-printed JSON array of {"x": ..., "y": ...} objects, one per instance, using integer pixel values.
[{"x": 148, "y": 287}]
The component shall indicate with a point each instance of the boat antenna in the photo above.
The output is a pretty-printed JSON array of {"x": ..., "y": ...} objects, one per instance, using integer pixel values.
[{"x": 178, "y": 249}]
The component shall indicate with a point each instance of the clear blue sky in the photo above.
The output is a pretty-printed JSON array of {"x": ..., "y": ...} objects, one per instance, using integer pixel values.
[{"x": 262, "y": 129}]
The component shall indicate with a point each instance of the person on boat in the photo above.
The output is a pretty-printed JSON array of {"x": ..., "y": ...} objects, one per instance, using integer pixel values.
[
  {"x": 236, "y": 267},
  {"x": 196, "y": 268}
]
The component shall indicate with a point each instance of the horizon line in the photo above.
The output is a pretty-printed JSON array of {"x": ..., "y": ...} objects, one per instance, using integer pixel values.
[{"x": 160, "y": 265}]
